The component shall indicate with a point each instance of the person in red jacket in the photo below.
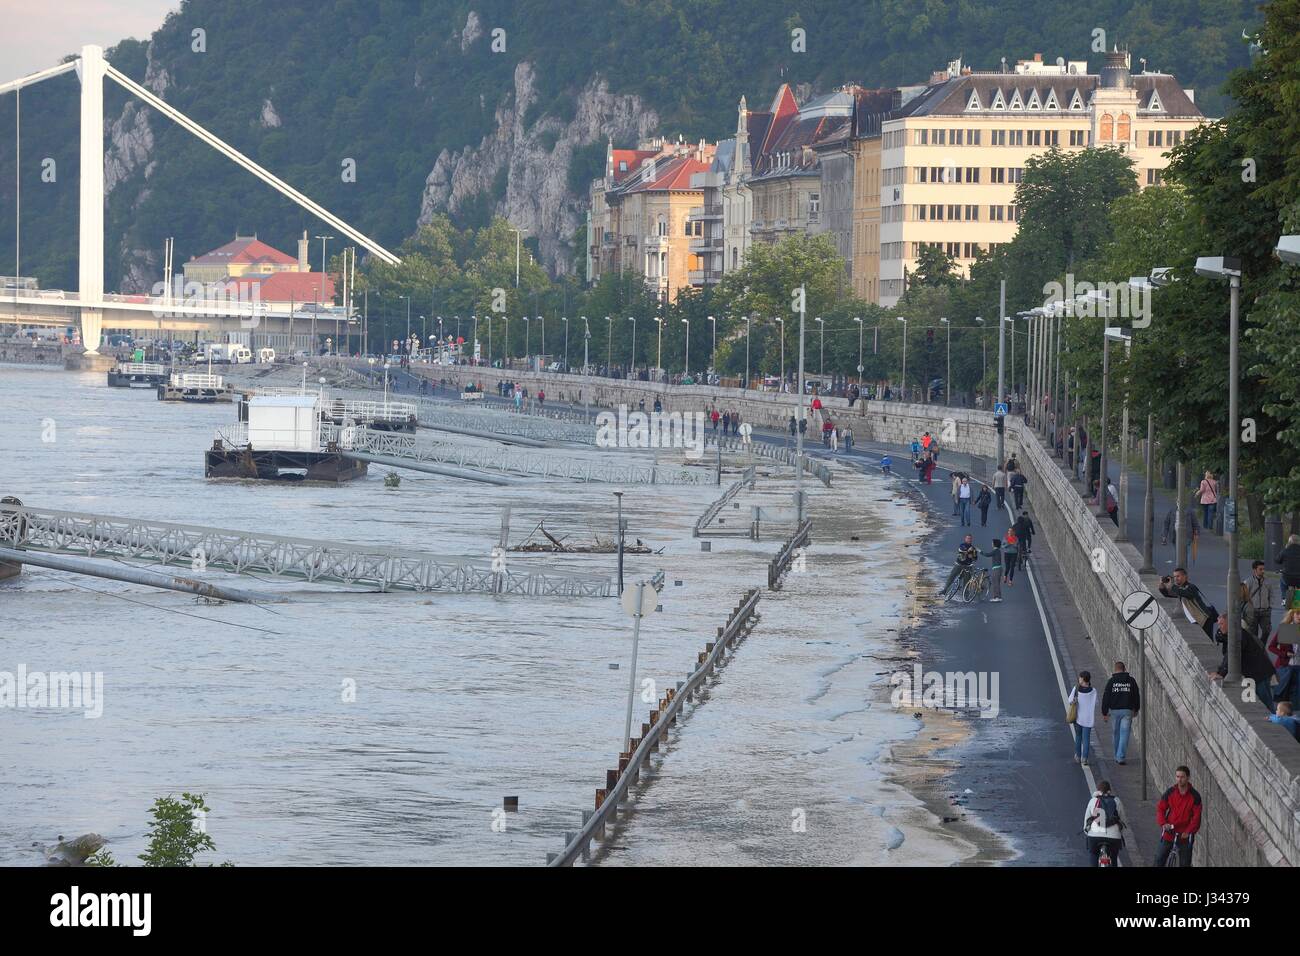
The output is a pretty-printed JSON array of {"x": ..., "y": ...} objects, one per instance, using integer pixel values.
[{"x": 1179, "y": 816}]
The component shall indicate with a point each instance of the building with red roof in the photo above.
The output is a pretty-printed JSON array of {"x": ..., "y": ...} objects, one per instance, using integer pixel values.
[{"x": 640, "y": 210}]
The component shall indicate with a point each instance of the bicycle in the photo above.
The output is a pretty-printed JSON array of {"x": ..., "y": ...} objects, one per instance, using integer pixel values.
[
  {"x": 977, "y": 585},
  {"x": 958, "y": 587}
]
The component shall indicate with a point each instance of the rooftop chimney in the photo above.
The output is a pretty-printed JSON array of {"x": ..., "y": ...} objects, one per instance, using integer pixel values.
[{"x": 302, "y": 253}]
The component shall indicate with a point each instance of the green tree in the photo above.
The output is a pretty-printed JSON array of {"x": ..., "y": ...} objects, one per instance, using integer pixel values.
[{"x": 176, "y": 837}]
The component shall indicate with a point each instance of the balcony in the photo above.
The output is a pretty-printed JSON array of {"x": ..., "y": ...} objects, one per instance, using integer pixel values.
[
  {"x": 706, "y": 244},
  {"x": 711, "y": 211},
  {"x": 698, "y": 277}
]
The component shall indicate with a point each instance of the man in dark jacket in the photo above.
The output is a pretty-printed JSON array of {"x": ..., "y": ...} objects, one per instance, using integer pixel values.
[
  {"x": 1016, "y": 480},
  {"x": 1198, "y": 610},
  {"x": 1255, "y": 662},
  {"x": 1024, "y": 529},
  {"x": 1179, "y": 816},
  {"x": 1123, "y": 698},
  {"x": 1289, "y": 559}
]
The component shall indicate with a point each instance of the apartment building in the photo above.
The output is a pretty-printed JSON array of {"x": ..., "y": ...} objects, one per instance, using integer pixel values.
[
  {"x": 640, "y": 210},
  {"x": 952, "y": 155}
]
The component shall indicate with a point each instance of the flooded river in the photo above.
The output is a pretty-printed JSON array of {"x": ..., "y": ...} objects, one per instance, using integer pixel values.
[{"x": 459, "y": 700}]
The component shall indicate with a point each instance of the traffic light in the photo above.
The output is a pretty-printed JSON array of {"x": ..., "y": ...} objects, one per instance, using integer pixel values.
[
  {"x": 1000, "y": 421},
  {"x": 929, "y": 337}
]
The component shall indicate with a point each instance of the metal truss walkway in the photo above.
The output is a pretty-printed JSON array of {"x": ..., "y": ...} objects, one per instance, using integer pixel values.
[
  {"x": 195, "y": 547},
  {"x": 610, "y": 469}
]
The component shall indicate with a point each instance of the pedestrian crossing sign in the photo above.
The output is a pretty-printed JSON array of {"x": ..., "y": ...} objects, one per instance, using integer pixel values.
[{"x": 1000, "y": 408}]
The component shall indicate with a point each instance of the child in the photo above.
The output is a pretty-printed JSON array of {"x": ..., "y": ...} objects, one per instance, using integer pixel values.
[{"x": 885, "y": 463}]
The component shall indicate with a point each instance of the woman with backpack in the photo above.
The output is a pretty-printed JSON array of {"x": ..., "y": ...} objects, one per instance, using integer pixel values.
[
  {"x": 1102, "y": 825},
  {"x": 1081, "y": 710}
]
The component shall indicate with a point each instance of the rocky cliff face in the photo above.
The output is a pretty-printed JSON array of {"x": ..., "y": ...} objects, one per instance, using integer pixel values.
[
  {"x": 535, "y": 162},
  {"x": 130, "y": 151}
]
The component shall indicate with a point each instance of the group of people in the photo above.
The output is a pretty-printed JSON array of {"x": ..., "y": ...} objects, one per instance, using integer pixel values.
[
  {"x": 729, "y": 421},
  {"x": 925, "y": 457},
  {"x": 519, "y": 394}
]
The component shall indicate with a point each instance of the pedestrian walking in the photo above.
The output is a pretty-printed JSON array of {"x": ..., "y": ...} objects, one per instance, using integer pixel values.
[
  {"x": 1259, "y": 601},
  {"x": 982, "y": 502},
  {"x": 1082, "y": 704},
  {"x": 1208, "y": 495},
  {"x": 726, "y": 423},
  {"x": 1011, "y": 555},
  {"x": 929, "y": 469},
  {"x": 1024, "y": 528},
  {"x": 1017, "y": 482},
  {"x": 963, "y": 499},
  {"x": 916, "y": 449},
  {"x": 956, "y": 484},
  {"x": 1121, "y": 699},
  {"x": 1102, "y": 825},
  {"x": 793, "y": 426},
  {"x": 1178, "y": 814},
  {"x": 1289, "y": 559},
  {"x": 1190, "y": 523},
  {"x": 995, "y": 569},
  {"x": 1000, "y": 486}
]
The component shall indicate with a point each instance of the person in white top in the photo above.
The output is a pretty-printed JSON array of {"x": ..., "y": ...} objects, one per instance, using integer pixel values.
[
  {"x": 1102, "y": 825},
  {"x": 1084, "y": 697},
  {"x": 1000, "y": 486},
  {"x": 963, "y": 499}
]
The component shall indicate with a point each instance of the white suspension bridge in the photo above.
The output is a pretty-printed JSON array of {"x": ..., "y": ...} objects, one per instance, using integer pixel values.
[{"x": 89, "y": 307}]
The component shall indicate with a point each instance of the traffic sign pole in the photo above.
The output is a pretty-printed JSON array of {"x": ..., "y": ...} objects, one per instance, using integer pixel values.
[
  {"x": 631, "y": 680},
  {"x": 1142, "y": 714}
]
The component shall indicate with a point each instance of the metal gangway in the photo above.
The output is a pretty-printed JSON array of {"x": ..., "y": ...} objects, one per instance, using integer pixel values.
[
  {"x": 393, "y": 448},
  {"x": 242, "y": 552}
]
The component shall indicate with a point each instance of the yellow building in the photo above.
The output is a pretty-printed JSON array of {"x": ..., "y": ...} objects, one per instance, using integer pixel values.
[
  {"x": 952, "y": 154},
  {"x": 245, "y": 256}
]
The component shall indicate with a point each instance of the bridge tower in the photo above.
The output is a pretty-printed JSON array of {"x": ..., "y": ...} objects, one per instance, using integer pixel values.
[{"x": 90, "y": 253}]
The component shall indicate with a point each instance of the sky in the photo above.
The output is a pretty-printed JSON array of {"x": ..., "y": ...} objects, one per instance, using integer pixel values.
[{"x": 38, "y": 33}]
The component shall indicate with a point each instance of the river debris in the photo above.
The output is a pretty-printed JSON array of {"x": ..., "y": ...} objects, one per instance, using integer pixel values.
[
  {"x": 73, "y": 852},
  {"x": 548, "y": 543}
]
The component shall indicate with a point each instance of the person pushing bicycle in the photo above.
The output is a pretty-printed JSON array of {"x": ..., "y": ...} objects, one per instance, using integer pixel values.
[{"x": 967, "y": 554}]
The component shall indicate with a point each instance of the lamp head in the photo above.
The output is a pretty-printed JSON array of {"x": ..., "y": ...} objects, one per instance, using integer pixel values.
[
  {"x": 1218, "y": 267},
  {"x": 1288, "y": 249}
]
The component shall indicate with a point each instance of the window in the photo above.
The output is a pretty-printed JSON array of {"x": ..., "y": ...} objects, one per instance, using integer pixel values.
[
  {"x": 996, "y": 214},
  {"x": 663, "y": 226},
  {"x": 1013, "y": 213},
  {"x": 1123, "y": 129},
  {"x": 1078, "y": 137},
  {"x": 954, "y": 212},
  {"x": 972, "y": 137},
  {"x": 997, "y": 137},
  {"x": 972, "y": 174},
  {"x": 954, "y": 137},
  {"x": 922, "y": 137},
  {"x": 972, "y": 213},
  {"x": 953, "y": 249},
  {"x": 939, "y": 137},
  {"x": 622, "y": 165},
  {"x": 814, "y": 205},
  {"x": 918, "y": 213},
  {"x": 1052, "y": 137},
  {"x": 970, "y": 250},
  {"x": 1035, "y": 137},
  {"x": 936, "y": 212},
  {"x": 922, "y": 174},
  {"x": 1017, "y": 137},
  {"x": 1154, "y": 177},
  {"x": 997, "y": 174},
  {"x": 1015, "y": 175},
  {"x": 1107, "y": 128}
]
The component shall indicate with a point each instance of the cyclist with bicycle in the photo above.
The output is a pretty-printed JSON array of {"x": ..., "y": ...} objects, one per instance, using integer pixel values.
[
  {"x": 1103, "y": 827},
  {"x": 967, "y": 554},
  {"x": 995, "y": 569},
  {"x": 1179, "y": 816}
]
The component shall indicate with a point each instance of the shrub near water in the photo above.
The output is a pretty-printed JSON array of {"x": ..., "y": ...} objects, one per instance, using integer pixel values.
[{"x": 174, "y": 839}]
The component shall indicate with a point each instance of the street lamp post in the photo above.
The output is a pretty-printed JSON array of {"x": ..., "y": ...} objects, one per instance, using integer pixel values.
[
  {"x": 798, "y": 462},
  {"x": 518, "y": 233},
  {"x": 586, "y": 368},
  {"x": 781, "y": 322},
  {"x": 659, "y": 349},
  {"x": 903, "y": 385},
  {"x": 528, "y": 325},
  {"x": 632, "y": 366},
  {"x": 1228, "y": 267},
  {"x": 858, "y": 319},
  {"x": 1002, "y": 324},
  {"x": 609, "y": 344},
  {"x": 686, "y": 368},
  {"x": 947, "y": 382},
  {"x": 821, "y": 362},
  {"x": 565, "y": 364},
  {"x": 747, "y": 321},
  {"x": 984, "y": 349},
  {"x": 713, "y": 356}
]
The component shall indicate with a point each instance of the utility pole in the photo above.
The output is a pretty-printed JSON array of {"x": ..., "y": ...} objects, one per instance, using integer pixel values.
[
  {"x": 798, "y": 462},
  {"x": 1002, "y": 367}
]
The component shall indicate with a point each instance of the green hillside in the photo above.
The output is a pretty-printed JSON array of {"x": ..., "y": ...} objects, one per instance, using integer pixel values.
[{"x": 388, "y": 85}]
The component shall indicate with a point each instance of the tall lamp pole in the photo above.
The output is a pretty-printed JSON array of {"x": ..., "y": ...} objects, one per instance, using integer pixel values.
[
  {"x": 1229, "y": 267},
  {"x": 903, "y": 386},
  {"x": 632, "y": 319},
  {"x": 713, "y": 357},
  {"x": 947, "y": 382},
  {"x": 858, "y": 319},
  {"x": 821, "y": 366},
  {"x": 686, "y": 368}
]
